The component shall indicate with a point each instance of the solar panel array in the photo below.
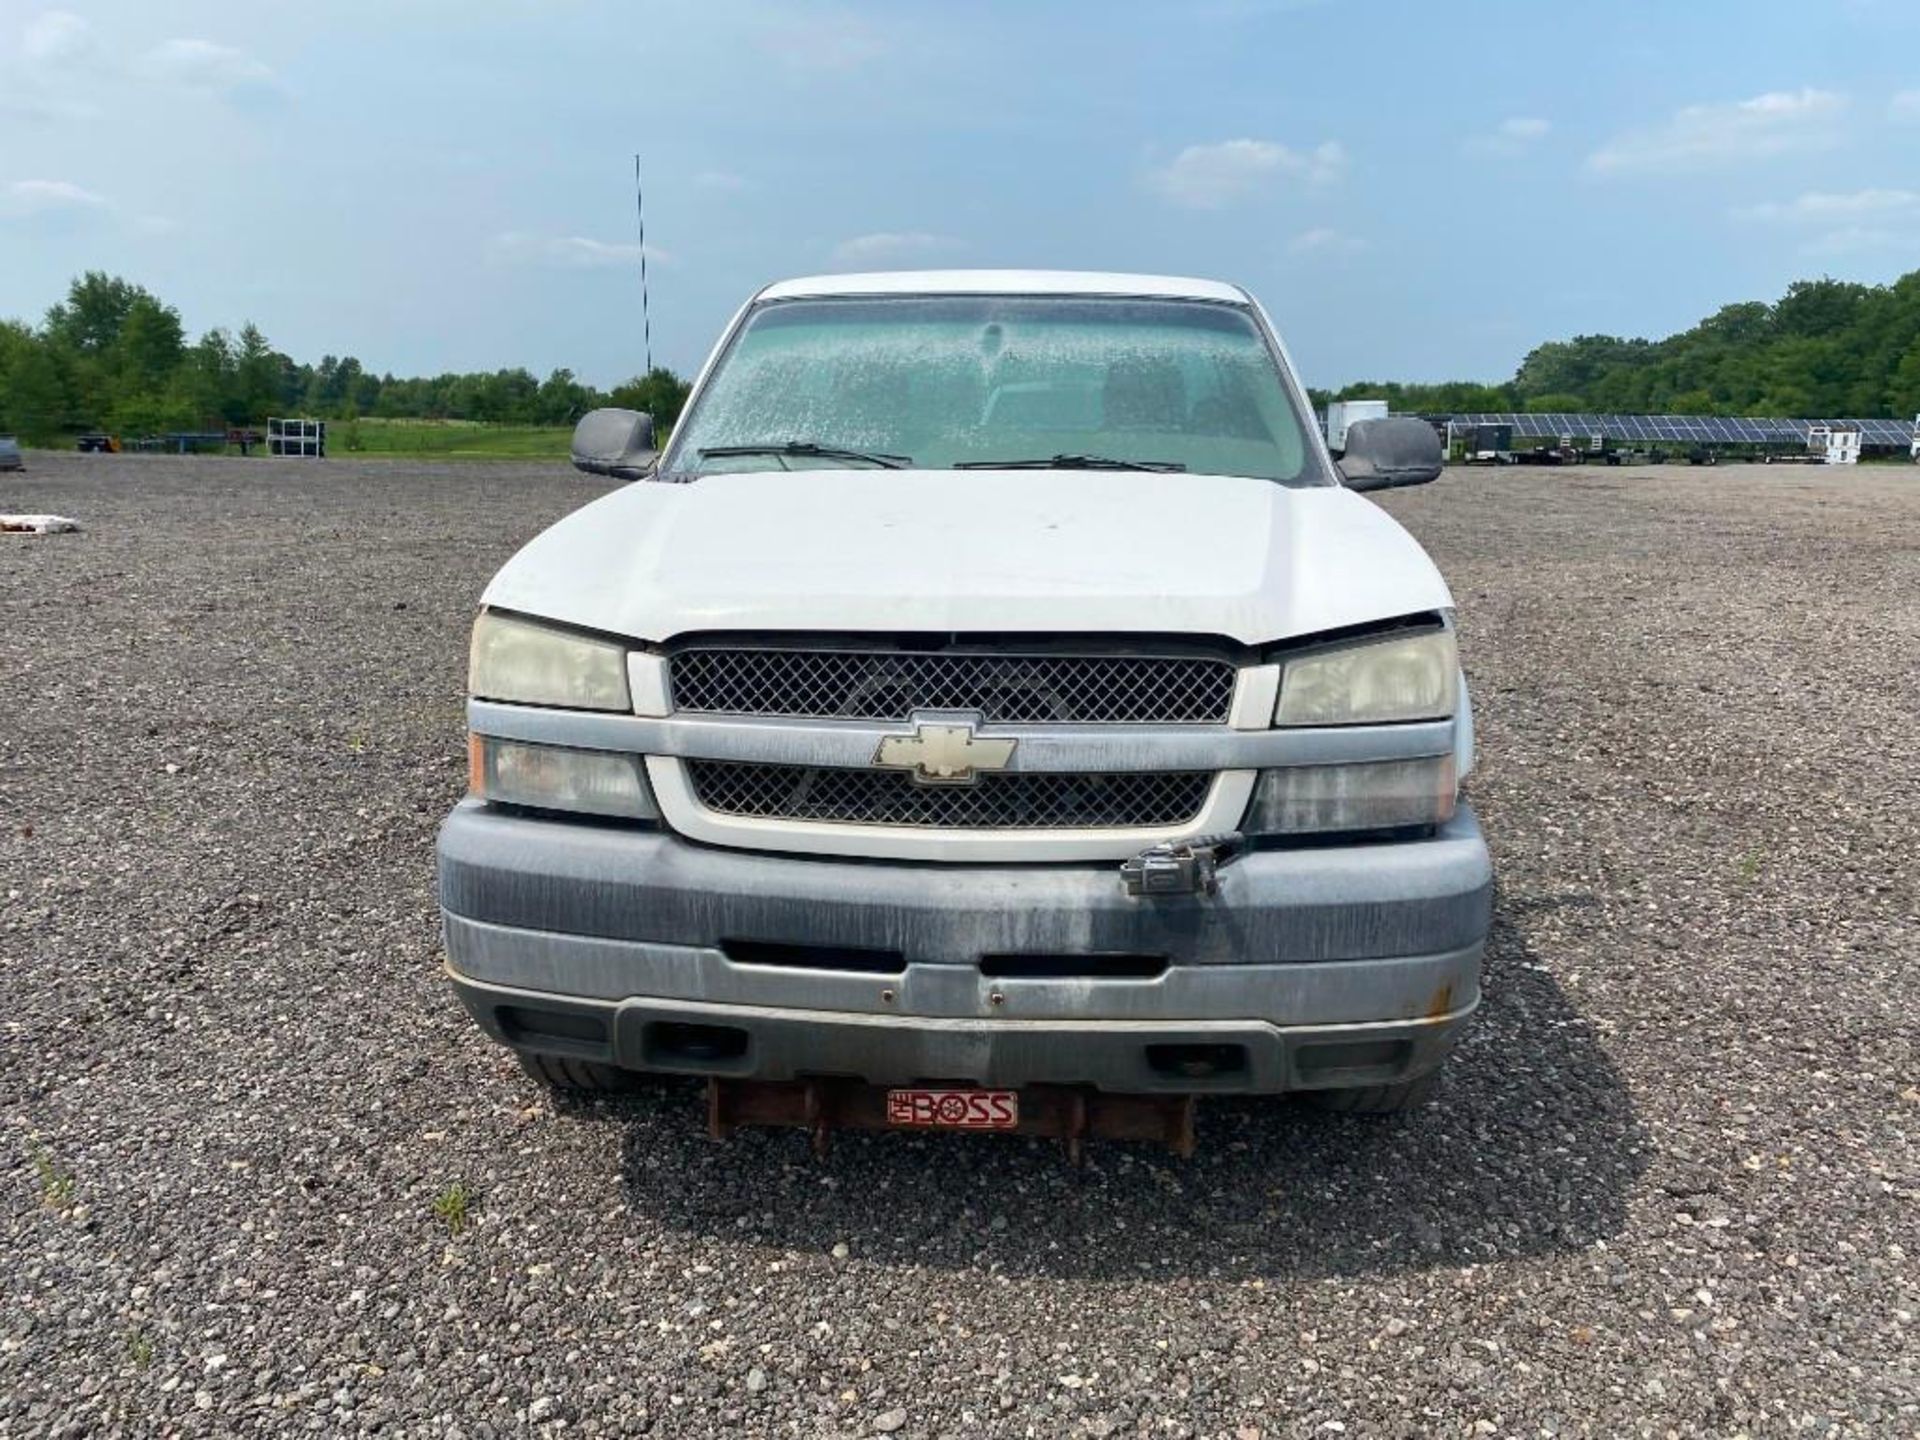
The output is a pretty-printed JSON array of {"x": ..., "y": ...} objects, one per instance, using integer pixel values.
[{"x": 1692, "y": 429}]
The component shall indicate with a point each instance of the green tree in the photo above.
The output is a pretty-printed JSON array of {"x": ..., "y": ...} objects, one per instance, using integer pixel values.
[
  {"x": 15, "y": 340},
  {"x": 112, "y": 354},
  {"x": 36, "y": 402},
  {"x": 89, "y": 320},
  {"x": 1903, "y": 389},
  {"x": 1571, "y": 367},
  {"x": 256, "y": 375},
  {"x": 207, "y": 381},
  {"x": 562, "y": 399},
  {"x": 149, "y": 414},
  {"x": 1748, "y": 323},
  {"x": 149, "y": 347},
  {"x": 1819, "y": 307},
  {"x": 659, "y": 393}
]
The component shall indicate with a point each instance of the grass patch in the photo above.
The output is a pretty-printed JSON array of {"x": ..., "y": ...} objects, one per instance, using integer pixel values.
[
  {"x": 1749, "y": 870},
  {"x": 448, "y": 439},
  {"x": 454, "y": 1207},
  {"x": 139, "y": 1349},
  {"x": 56, "y": 1185}
]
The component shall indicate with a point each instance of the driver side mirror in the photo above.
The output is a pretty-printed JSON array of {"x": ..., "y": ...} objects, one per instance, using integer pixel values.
[
  {"x": 616, "y": 443},
  {"x": 1383, "y": 454}
]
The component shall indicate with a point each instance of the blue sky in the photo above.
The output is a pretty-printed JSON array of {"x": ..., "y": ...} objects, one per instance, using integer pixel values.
[{"x": 1415, "y": 190}]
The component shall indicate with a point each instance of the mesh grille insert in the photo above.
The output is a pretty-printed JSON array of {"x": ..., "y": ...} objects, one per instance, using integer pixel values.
[
  {"x": 997, "y": 802},
  {"x": 1003, "y": 689}
]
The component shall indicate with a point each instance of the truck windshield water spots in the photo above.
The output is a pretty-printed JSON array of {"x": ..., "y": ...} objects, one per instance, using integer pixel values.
[{"x": 975, "y": 380}]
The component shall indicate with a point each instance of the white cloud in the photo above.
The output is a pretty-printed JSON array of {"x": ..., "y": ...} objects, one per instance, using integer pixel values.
[
  {"x": 1905, "y": 107},
  {"x": 1852, "y": 239},
  {"x": 1699, "y": 137},
  {"x": 30, "y": 100},
  {"x": 1325, "y": 240},
  {"x": 887, "y": 246},
  {"x": 1513, "y": 136},
  {"x": 210, "y": 68},
  {"x": 1820, "y": 207},
  {"x": 720, "y": 180},
  {"x": 61, "y": 202},
  {"x": 1212, "y": 177},
  {"x": 570, "y": 252},
  {"x": 1846, "y": 222},
  {"x": 824, "y": 40},
  {"x": 48, "y": 197},
  {"x": 56, "y": 38},
  {"x": 44, "y": 85}
]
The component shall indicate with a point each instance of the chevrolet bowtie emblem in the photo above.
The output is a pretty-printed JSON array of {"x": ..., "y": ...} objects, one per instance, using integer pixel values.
[{"x": 943, "y": 754}]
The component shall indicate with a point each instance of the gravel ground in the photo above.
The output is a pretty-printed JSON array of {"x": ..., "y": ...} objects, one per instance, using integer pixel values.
[{"x": 1670, "y": 1189}]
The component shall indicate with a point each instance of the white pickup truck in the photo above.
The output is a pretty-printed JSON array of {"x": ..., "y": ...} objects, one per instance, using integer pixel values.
[{"x": 993, "y": 700}]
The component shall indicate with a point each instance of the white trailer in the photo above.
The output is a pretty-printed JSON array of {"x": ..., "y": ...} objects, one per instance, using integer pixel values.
[
  {"x": 1834, "y": 445},
  {"x": 297, "y": 438},
  {"x": 1342, "y": 413}
]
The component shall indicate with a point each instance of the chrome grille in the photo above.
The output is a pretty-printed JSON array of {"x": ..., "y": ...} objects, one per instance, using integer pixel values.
[
  {"x": 1006, "y": 801},
  {"x": 1004, "y": 689}
]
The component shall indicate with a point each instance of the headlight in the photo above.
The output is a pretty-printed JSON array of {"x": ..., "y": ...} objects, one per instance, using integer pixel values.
[
  {"x": 1369, "y": 795},
  {"x": 1415, "y": 677},
  {"x": 533, "y": 664},
  {"x": 556, "y": 777}
]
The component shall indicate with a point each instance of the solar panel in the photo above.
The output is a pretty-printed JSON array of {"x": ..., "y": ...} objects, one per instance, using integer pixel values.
[{"x": 1689, "y": 429}]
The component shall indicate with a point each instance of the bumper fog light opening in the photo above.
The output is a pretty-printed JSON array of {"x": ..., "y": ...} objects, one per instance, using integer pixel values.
[
  {"x": 1372, "y": 795},
  {"x": 558, "y": 777}
]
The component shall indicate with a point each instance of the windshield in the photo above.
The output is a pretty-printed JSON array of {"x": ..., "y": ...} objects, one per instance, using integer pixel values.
[{"x": 934, "y": 382}]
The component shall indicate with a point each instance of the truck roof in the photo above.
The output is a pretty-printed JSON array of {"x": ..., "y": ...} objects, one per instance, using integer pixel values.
[{"x": 1004, "y": 282}]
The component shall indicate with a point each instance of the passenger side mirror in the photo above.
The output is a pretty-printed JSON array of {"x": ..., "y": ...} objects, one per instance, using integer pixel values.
[
  {"x": 617, "y": 443},
  {"x": 1382, "y": 454}
]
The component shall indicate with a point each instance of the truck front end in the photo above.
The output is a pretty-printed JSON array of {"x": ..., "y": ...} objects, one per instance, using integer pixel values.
[{"x": 992, "y": 693}]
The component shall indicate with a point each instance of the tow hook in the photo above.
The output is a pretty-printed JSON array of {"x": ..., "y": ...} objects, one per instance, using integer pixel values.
[{"x": 1182, "y": 867}]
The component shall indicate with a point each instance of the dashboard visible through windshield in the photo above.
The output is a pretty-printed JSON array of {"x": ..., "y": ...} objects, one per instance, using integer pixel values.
[{"x": 976, "y": 381}]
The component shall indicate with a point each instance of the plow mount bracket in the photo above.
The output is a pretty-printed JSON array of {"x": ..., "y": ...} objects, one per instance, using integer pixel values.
[{"x": 1181, "y": 867}]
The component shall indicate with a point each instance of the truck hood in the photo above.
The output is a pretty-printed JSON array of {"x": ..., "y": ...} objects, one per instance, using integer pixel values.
[{"x": 975, "y": 550}]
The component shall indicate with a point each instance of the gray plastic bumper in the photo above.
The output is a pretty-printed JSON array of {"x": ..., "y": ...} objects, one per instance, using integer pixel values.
[{"x": 1311, "y": 967}]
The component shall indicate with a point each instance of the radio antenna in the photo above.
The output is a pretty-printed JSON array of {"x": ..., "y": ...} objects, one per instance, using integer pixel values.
[{"x": 646, "y": 313}]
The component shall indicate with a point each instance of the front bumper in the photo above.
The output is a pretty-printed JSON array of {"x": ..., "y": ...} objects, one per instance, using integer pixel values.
[{"x": 1311, "y": 968}]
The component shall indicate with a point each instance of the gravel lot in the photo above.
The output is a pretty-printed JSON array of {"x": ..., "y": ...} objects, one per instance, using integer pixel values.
[{"x": 1672, "y": 1188}]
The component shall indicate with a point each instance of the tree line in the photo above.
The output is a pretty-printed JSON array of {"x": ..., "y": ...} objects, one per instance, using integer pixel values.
[
  {"x": 1826, "y": 348},
  {"x": 114, "y": 357}
]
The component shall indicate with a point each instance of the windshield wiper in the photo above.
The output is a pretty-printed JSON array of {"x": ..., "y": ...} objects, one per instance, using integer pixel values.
[
  {"x": 809, "y": 450},
  {"x": 1073, "y": 462}
]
